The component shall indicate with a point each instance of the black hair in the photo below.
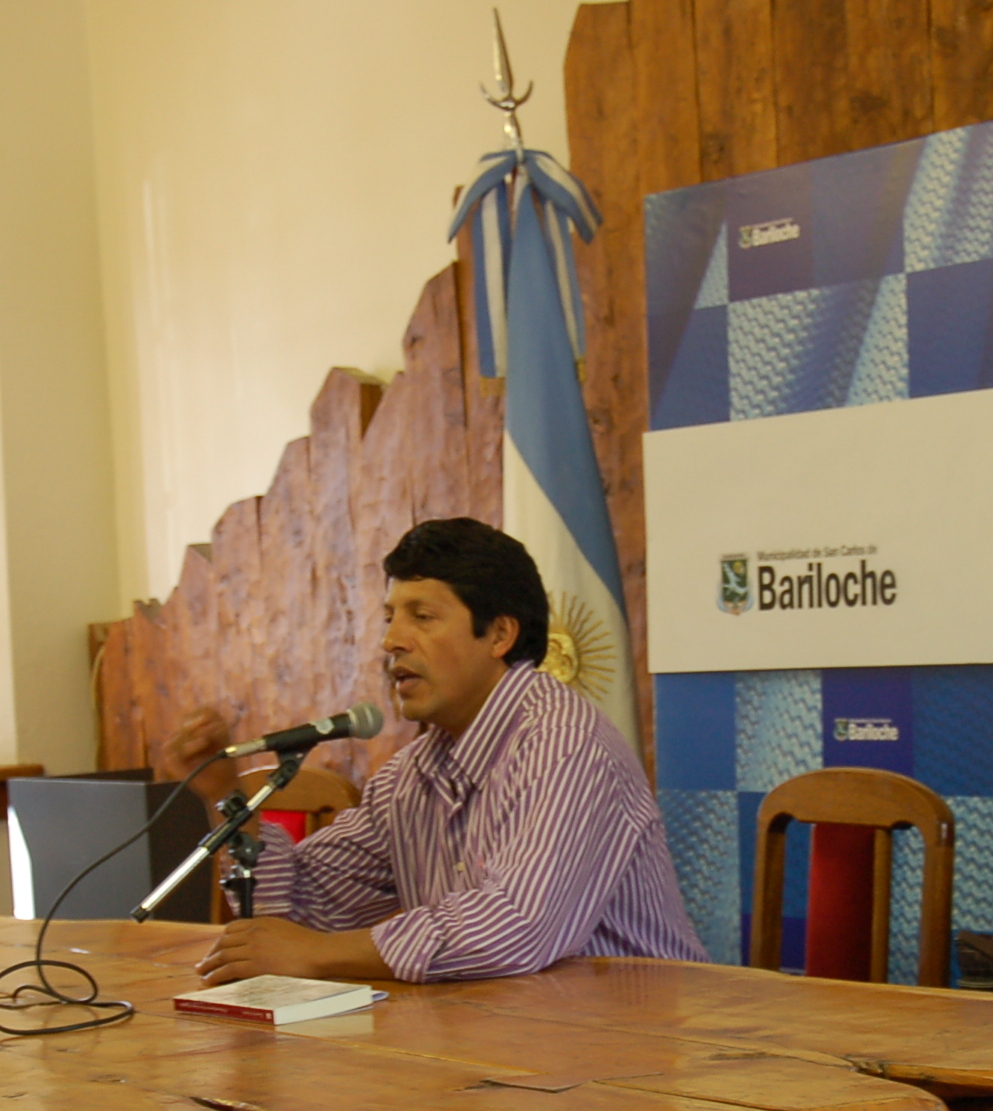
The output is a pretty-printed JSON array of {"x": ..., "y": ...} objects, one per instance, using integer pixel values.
[{"x": 491, "y": 573}]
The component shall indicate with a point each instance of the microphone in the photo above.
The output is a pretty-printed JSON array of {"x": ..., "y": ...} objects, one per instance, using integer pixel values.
[{"x": 364, "y": 720}]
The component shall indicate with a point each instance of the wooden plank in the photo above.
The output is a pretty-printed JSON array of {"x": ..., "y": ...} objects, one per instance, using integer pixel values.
[
  {"x": 285, "y": 537},
  {"x": 735, "y": 87},
  {"x": 121, "y": 744},
  {"x": 666, "y": 109},
  {"x": 337, "y": 424},
  {"x": 961, "y": 62},
  {"x": 150, "y": 678},
  {"x": 438, "y": 463},
  {"x": 889, "y": 71},
  {"x": 813, "y": 103},
  {"x": 383, "y": 508},
  {"x": 237, "y": 560},
  {"x": 483, "y": 404},
  {"x": 189, "y": 622},
  {"x": 604, "y": 137}
]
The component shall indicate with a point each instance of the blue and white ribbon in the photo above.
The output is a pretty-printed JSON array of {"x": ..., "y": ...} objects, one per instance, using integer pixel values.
[{"x": 498, "y": 189}]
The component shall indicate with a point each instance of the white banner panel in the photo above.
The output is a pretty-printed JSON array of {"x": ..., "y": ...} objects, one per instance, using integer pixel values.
[{"x": 854, "y": 537}]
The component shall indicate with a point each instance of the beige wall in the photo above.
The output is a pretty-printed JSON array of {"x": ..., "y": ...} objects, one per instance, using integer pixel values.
[
  {"x": 274, "y": 183},
  {"x": 204, "y": 205},
  {"x": 58, "y": 563}
]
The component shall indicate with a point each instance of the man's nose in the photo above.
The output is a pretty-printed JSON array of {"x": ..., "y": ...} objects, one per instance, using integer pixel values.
[{"x": 393, "y": 636}]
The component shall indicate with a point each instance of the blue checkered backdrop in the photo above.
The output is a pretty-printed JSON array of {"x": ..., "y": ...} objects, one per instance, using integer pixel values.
[{"x": 862, "y": 278}]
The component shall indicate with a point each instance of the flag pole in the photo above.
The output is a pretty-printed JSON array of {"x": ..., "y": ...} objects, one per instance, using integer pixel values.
[{"x": 507, "y": 102}]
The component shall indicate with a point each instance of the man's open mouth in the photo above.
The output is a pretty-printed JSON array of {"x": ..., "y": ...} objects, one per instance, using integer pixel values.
[{"x": 403, "y": 679}]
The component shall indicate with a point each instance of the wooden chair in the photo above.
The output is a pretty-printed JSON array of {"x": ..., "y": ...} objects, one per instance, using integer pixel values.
[
  {"x": 319, "y": 794},
  {"x": 866, "y": 797},
  {"x": 316, "y": 792}
]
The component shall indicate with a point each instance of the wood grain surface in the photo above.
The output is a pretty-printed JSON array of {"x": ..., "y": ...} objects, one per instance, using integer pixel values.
[
  {"x": 584, "y": 1034},
  {"x": 280, "y": 620}
]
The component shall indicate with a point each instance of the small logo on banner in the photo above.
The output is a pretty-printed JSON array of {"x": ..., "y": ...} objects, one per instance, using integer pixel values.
[
  {"x": 773, "y": 231},
  {"x": 866, "y": 729},
  {"x": 734, "y": 597}
]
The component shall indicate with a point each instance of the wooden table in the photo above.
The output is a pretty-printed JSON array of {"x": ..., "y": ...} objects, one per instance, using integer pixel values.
[{"x": 591, "y": 1034}]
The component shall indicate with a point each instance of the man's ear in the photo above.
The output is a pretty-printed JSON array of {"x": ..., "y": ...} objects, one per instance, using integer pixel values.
[{"x": 504, "y": 631}]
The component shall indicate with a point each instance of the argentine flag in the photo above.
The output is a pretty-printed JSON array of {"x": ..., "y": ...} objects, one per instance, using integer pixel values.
[
  {"x": 530, "y": 327},
  {"x": 553, "y": 499}
]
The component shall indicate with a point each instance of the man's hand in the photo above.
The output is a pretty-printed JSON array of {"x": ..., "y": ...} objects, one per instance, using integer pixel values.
[
  {"x": 201, "y": 735},
  {"x": 255, "y": 946}
]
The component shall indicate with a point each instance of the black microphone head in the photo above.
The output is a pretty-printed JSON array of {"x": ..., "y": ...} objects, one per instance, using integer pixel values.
[{"x": 367, "y": 720}]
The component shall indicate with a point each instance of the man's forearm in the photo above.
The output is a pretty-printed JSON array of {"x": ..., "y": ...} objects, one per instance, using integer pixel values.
[
  {"x": 255, "y": 946},
  {"x": 353, "y": 954}
]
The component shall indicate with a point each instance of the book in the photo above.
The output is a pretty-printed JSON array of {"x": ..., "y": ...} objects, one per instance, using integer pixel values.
[{"x": 276, "y": 999}]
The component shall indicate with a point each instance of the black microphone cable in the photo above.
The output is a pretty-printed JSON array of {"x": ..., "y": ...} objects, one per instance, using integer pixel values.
[{"x": 123, "y": 1009}]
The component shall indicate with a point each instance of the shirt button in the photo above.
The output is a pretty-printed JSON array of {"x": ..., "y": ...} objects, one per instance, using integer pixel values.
[{"x": 460, "y": 867}]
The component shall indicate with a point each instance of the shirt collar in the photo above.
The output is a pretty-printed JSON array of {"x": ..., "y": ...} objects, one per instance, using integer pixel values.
[{"x": 475, "y": 751}]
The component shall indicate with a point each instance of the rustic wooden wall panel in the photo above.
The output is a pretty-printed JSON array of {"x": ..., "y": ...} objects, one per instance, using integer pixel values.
[
  {"x": 150, "y": 681},
  {"x": 192, "y": 611},
  {"x": 483, "y": 402},
  {"x": 889, "y": 71},
  {"x": 121, "y": 744},
  {"x": 286, "y": 546},
  {"x": 438, "y": 458},
  {"x": 961, "y": 50},
  {"x": 812, "y": 97},
  {"x": 383, "y": 500},
  {"x": 735, "y": 87},
  {"x": 237, "y": 559},
  {"x": 666, "y": 105},
  {"x": 336, "y": 427},
  {"x": 605, "y": 143},
  {"x": 660, "y": 94}
]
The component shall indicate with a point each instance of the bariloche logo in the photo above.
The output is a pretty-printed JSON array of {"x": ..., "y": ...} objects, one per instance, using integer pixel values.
[
  {"x": 774, "y": 231},
  {"x": 866, "y": 729},
  {"x": 734, "y": 596}
]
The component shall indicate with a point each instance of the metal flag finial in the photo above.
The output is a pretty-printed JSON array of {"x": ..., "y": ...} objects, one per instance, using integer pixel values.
[{"x": 507, "y": 102}]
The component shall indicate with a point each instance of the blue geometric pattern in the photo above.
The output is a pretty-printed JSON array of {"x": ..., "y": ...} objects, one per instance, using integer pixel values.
[
  {"x": 905, "y": 905},
  {"x": 702, "y": 827},
  {"x": 854, "y": 280},
  {"x": 949, "y": 215},
  {"x": 973, "y": 840},
  {"x": 797, "y": 351},
  {"x": 953, "y": 708},
  {"x": 714, "y": 287},
  {"x": 778, "y": 717},
  {"x": 882, "y": 369}
]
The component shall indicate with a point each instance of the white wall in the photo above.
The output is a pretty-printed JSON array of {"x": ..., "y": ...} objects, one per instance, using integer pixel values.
[
  {"x": 58, "y": 562},
  {"x": 274, "y": 181}
]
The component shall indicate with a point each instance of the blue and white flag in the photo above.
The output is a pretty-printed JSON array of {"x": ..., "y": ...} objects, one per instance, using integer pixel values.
[
  {"x": 563, "y": 199},
  {"x": 553, "y": 498}
]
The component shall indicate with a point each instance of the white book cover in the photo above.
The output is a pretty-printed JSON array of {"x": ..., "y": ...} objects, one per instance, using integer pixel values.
[{"x": 277, "y": 999}]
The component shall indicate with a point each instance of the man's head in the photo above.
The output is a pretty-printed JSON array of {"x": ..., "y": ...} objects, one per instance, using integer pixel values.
[{"x": 464, "y": 601}]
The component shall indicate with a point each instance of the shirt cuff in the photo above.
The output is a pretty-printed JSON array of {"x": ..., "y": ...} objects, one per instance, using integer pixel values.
[{"x": 408, "y": 943}]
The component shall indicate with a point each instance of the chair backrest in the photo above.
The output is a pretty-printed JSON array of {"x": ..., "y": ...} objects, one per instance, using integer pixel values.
[
  {"x": 316, "y": 792},
  {"x": 868, "y": 797}
]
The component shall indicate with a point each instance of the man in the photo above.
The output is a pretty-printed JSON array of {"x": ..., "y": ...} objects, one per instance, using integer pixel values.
[{"x": 516, "y": 830}]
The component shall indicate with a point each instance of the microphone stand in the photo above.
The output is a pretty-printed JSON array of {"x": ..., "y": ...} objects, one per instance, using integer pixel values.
[{"x": 245, "y": 849}]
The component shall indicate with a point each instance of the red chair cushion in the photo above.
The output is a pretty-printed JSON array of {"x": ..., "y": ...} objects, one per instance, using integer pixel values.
[
  {"x": 293, "y": 821},
  {"x": 839, "y": 906}
]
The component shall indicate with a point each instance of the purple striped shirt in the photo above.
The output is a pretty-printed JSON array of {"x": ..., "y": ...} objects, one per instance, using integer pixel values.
[{"x": 533, "y": 837}]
